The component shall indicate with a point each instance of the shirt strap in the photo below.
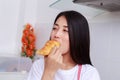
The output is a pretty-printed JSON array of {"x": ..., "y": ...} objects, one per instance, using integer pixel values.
[{"x": 79, "y": 71}]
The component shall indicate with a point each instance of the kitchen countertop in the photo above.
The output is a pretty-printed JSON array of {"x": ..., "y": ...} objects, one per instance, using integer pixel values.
[{"x": 13, "y": 75}]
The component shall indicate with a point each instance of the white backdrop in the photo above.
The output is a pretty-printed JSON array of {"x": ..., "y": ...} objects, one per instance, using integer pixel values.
[
  {"x": 105, "y": 49},
  {"x": 104, "y": 29}
]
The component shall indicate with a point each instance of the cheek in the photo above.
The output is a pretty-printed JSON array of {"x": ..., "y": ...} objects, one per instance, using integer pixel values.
[
  {"x": 65, "y": 48},
  {"x": 65, "y": 45}
]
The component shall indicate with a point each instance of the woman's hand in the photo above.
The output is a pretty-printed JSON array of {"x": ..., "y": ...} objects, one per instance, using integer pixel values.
[{"x": 52, "y": 63}]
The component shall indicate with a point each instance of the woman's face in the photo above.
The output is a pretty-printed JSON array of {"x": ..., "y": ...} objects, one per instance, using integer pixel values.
[{"x": 60, "y": 34}]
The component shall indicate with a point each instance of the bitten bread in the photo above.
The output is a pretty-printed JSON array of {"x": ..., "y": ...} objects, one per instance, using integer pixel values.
[{"x": 48, "y": 47}]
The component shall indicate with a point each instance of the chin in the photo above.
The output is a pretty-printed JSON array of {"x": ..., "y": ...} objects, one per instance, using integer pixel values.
[{"x": 64, "y": 53}]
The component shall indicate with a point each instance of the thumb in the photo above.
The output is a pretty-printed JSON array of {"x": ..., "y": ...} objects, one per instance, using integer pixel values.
[{"x": 61, "y": 61}]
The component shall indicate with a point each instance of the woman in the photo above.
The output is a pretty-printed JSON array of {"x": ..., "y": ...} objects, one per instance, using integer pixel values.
[{"x": 70, "y": 61}]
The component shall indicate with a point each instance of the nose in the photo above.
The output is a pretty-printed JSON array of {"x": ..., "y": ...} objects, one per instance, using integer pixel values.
[{"x": 58, "y": 34}]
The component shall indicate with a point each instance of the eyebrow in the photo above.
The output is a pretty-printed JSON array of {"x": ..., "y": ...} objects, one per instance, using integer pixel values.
[{"x": 58, "y": 25}]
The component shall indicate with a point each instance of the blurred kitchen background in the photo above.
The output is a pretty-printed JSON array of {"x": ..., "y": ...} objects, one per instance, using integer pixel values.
[{"x": 104, "y": 21}]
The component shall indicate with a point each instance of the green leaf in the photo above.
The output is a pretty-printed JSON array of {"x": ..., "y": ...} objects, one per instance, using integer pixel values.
[{"x": 23, "y": 54}]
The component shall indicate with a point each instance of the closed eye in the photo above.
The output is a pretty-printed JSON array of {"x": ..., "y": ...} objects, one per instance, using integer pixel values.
[
  {"x": 54, "y": 28},
  {"x": 65, "y": 30}
]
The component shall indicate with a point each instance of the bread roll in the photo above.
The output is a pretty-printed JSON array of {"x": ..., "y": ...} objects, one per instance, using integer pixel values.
[{"x": 48, "y": 47}]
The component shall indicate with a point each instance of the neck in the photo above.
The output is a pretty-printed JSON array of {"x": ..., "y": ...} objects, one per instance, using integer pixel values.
[{"x": 67, "y": 60}]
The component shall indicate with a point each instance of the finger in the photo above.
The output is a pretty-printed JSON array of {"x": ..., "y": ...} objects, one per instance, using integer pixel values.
[
  {"x": 58, "y": 55},
  {"x": 53, "y": 50},
  {"x": 60, "y": 59},
  {"x": 58, "y": 52}
]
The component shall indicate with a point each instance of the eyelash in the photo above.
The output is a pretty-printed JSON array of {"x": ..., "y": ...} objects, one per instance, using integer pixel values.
[
  {"x": 54, "y": 28},
  {"x": 65, "y": 30}
]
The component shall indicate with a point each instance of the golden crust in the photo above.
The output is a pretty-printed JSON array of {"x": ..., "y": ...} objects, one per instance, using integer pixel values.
[{"x": 47, "y": 48}]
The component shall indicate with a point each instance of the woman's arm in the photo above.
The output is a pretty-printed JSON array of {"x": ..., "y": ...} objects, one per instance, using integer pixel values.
[
  {"x": 48, "y": 75},
  {"x": 52, "y": 63}
]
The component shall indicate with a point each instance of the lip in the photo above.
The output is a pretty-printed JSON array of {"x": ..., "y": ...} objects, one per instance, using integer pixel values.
[{"x": 57, "y": 41}]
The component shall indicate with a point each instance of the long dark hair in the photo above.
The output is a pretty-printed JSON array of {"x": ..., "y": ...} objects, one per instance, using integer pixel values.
[{"x": 78, "y": 29}]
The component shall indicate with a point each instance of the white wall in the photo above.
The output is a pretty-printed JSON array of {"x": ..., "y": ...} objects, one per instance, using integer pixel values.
[
  {"x": 9, "y": 12},
  {"x": 105, "y": 30},
  {"x": 105, "y": 45},
  {"x": 14, "y": 14},
  {"x": 44, "y": 22},
  {"x": 27, "y": 14}
]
